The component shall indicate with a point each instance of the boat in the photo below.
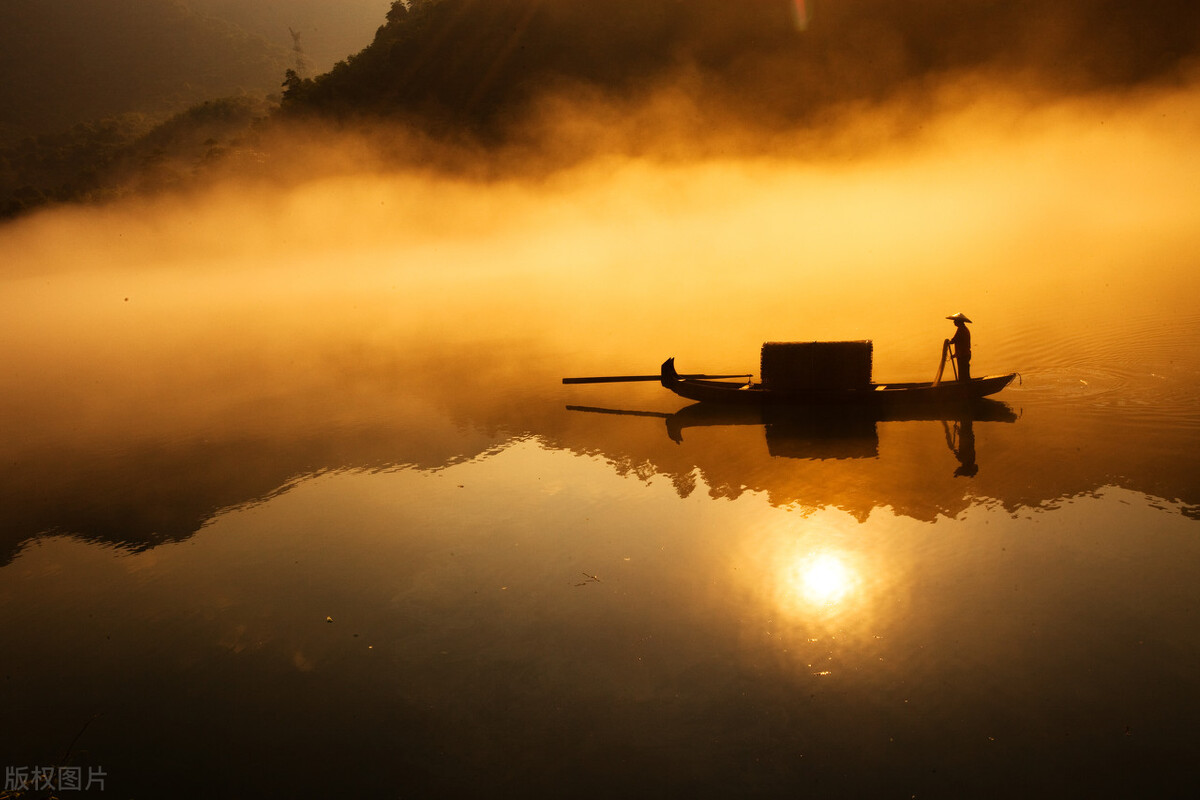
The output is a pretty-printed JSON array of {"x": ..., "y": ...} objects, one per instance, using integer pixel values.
[{"x": 746, "y": 392}]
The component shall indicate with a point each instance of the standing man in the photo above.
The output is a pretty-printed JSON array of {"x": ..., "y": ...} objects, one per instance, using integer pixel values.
[{"x": 961, "y": 344}]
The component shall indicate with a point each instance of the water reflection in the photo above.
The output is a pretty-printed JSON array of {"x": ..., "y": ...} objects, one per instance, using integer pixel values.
[
  {"x": 842, "y": 430},
  {"x": 818, "y": 434},
  {"x": 133, "y": 475},
  {"x": 960, "y": 437},
  {"x": 819, "y": 590}
]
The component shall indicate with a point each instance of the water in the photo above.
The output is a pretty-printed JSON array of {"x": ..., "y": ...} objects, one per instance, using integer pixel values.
[{"x": 294, "y": 503}]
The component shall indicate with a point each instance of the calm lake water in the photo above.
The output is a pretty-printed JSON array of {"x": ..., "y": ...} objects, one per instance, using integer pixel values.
[{"x": 295, "y": 504}]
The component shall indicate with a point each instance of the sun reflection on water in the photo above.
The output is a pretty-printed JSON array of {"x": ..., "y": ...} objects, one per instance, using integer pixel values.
[
  {"x": 818, "y": 583},
  {"x": 810, "y": 578},
  {"x": 823, "y": 580},
  {"x": 817, "y": 599}
]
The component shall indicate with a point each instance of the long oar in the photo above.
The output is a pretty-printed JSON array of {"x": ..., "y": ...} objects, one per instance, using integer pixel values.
[{"x": 630, "y": 378}]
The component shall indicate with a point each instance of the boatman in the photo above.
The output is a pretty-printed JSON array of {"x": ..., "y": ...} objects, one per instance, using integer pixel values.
[{"x": 961, "y": 344}]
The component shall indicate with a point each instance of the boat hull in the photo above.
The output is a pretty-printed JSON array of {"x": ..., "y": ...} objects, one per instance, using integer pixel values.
[{"x": 946, "y": 392}]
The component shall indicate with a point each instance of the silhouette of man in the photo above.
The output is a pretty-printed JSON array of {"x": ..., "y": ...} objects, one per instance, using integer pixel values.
[{"x": 961, "y": 342}]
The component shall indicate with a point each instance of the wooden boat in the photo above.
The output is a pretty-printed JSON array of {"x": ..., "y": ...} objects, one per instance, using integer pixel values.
[{"x": 749, "y": 393}]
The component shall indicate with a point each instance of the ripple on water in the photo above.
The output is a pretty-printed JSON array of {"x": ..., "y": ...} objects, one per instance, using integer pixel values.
[
  {"x": 1144, "y": 368},
  {"x": 1072, "y": 382}
]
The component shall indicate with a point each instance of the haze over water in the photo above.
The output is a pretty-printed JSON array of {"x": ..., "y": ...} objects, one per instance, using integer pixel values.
[{"x": 295, "y": 501}]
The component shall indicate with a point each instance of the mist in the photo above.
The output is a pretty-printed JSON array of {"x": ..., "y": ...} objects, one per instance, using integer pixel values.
[
  {"x": 335, "y": 239},
  {"x": 995, "y": 158}
]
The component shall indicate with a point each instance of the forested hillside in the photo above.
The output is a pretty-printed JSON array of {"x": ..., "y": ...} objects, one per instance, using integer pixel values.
[
  {"x": 475, "y": 62},
  {"x": 117, "y": 156},
  {"x": 65, "y": 62},
  {"x": 471, "y": 70}
]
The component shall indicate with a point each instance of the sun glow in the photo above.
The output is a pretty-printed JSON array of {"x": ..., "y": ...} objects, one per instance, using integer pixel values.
[
  {"x": 818, "y": 594},
  {"x": 822, "y": 580},
  {"x": 825, "y": 580}
]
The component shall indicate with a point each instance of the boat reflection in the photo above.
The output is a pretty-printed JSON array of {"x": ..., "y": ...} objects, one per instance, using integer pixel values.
[{"x": 826, "y": 432}]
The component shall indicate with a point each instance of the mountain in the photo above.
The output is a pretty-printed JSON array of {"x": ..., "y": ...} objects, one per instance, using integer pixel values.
[
  {"x": 475, "y": 69},
  {"x": 476, "y": 63},
  {"x": 64, "y": 62}
]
